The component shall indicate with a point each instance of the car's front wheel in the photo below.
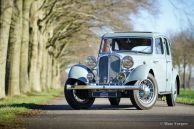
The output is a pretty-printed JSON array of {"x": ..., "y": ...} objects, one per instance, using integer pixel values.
[
  {"x": 147, "y": 96},
  {"x": 78, "y": 99}
]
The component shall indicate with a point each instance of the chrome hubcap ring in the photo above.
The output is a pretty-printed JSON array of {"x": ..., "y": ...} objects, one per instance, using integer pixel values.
[{"x": 146, "y": 94}]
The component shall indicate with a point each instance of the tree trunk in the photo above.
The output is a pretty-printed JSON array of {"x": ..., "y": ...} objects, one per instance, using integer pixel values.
[
  {"x": 14, "y": 49},
  {"x": 179, "y": 68},
  {"x": 184, "y": 74},
  {"x": 24, "y": 79},
  {"x": 190, "y": 76},
  {"x": 44, "y": 66},
  {"x": 49, "y": 71},
  {"x": 5, "y": 21},
  {"x": 34, "y": 72},
  {"x": 58, "y": 73},
  {"x": 55, "y": 76},
  {"x": 40, "y": 58}
]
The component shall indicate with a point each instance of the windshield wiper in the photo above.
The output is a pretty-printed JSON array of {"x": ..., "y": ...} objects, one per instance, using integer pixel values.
[
  {"x": 145, "y": 48},
  {"x": 133, "y": 51},
  {"x": 143, "y": 52},
  {"x": 140, "y": 52}
]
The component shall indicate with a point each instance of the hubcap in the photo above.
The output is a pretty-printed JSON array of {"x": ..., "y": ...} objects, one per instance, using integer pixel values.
[
  {"x": 146, "y": 94},
  {"x": 146, "y": 91}
]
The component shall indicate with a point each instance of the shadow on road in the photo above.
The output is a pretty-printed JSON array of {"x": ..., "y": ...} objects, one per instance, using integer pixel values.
[
  {"x": 109, "y": 107},
  {"x": 67, "y": 107}
]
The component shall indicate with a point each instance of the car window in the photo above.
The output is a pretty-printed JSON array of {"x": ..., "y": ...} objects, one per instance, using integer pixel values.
[
  {"x": 167, "y": 47},
  {"x": 158, "y": 46},
  {"x": 139, "y": 44}
]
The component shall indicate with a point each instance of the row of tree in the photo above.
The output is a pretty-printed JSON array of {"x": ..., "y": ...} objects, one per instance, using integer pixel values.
[
  {"x": 183, "y": 55},
  {"x": 183, "y": 41},
  {"x": 25, "y": 62},
  {"x": 39, "y": 37}
]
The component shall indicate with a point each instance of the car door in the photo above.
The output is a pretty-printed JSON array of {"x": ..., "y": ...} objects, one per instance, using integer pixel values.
[
  {"x": 168, "y": 64},
  {"x": 159, "y": 64}
]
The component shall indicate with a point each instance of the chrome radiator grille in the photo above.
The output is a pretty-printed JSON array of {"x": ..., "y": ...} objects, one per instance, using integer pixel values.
[{"x": 109, "y": 67}]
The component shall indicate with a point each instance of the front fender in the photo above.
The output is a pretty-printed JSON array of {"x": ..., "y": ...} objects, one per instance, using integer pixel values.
[
  {"x": 139, "y": 73},
  {"x": 79, "y": 72}
]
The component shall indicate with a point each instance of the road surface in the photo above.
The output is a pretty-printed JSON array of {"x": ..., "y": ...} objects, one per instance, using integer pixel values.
[{"x": 58, "y": 115}]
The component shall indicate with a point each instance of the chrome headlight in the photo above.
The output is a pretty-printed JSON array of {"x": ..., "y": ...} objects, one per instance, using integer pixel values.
[
  {"x": 90, "y": 76},
  {"x": 121, "y": 76},
  {"x": 127, "y": 62},
  {"x": 91, "y": 62}
]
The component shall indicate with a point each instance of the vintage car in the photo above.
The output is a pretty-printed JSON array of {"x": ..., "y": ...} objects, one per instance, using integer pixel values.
[{"x": 135, "y": 65}]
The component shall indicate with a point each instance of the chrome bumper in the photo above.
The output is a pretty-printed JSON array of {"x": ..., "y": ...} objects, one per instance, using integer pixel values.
[{"x": 104, "y": 87}]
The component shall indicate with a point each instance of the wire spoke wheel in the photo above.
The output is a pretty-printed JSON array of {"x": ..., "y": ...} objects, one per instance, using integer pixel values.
[
  {"x": 145, "y": 98},
  {"x": 146, "y": 94}
]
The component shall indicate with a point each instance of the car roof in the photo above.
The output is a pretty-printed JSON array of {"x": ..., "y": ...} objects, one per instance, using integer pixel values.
[{"x": 132, "y": 34}]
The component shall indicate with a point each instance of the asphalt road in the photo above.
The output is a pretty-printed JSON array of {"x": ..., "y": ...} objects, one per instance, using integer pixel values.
[{"x": 58, "y": 115}]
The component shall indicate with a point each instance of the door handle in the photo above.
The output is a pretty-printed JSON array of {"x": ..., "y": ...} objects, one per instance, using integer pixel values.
[{"x": 168, "y": 61}]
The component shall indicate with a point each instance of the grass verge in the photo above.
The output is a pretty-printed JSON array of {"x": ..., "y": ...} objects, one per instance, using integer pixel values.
[
  {"x": 10, "y": 107},
  {"x": 186, "y": 96}
]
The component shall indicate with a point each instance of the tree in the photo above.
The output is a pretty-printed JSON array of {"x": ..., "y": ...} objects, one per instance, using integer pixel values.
[
  {"x": 34, "y": 73},
  {"x": 183, "y": 47},
  {"x": 5, "y": 17},
  {"x": 24, "y": 77},
  {"x": 14, "y": 49}
]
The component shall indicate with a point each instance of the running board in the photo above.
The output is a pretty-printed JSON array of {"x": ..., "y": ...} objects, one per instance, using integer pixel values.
[{"x": 165, "y": 92}]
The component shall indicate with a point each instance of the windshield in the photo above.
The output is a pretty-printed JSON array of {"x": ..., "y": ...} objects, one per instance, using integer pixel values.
[{"x": 140, "y": 45}]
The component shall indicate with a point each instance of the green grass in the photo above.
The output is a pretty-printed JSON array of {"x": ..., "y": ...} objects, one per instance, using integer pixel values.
[
  {"x": 186, "y": 96},
  {"x": 10, "y": 107}
]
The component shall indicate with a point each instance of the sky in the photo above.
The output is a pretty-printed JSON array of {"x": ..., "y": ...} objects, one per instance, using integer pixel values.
[{"x": 170, "y": 19}]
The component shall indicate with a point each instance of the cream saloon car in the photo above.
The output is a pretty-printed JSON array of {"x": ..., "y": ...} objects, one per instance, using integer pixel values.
[{"x": 135, "y": 65}]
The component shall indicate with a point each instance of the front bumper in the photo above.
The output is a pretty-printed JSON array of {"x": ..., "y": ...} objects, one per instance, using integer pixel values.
[{"x": 104, "y": 87}]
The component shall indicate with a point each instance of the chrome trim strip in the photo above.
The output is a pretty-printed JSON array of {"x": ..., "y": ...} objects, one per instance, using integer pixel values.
[{"x": 105, "y": 87}]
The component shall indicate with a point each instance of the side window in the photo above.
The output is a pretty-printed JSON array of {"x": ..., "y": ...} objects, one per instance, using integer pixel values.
[
  {"x": 167, "y": 47},
  {"x": 158, "y": 46}
]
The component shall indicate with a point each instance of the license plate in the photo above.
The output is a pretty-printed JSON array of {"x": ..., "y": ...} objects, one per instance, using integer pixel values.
[{"x": 105, "y": 94}]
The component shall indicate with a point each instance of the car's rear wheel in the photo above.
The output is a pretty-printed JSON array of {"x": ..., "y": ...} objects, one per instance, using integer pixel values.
[
  {"x": 78, "y": 99},
  {"x": 147, "y": 96},
  {"x": 171, "y": 98},
  {"x": 114, "y": 101}
]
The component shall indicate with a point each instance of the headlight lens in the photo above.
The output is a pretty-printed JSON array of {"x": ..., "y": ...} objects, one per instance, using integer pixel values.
[
  {"x": 121, "y": 76},
  {"x": 91, "y": 62},
  {"x": 127, "y": 62},
  {"x": 90, "y": 76}
]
